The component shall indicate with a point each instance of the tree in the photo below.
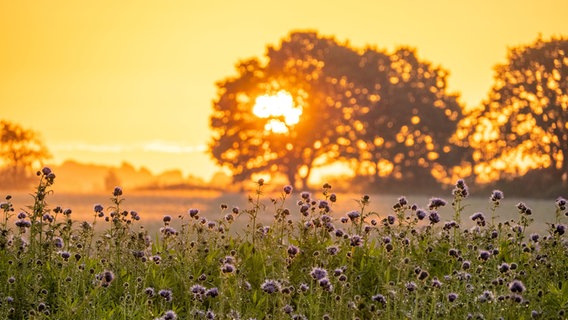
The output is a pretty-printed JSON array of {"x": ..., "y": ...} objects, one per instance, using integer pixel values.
[
  {"x": 306, "y": 67},
  {"x": 523, "y": 123},
  {"x": 404, "y": 120},
  {"x": 385, "y": 114},
  {"x": 21, "y": 150}
]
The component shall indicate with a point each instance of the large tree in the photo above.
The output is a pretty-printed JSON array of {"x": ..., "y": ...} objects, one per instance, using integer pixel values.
[
  {"x": 387, "y": 114},
  {"x": 308, "y": 69},
  {"x": 523, "y": 124},
  {"x": 404, "y": 119},
  {"x": 20, "y": 151}
]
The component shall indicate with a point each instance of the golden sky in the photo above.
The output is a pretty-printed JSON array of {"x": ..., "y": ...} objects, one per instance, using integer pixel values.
[{"x": 107, "y": 81}]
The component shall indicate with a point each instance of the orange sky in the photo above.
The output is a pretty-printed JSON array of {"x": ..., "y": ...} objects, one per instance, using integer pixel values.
[{"x": 105, "y": 81}]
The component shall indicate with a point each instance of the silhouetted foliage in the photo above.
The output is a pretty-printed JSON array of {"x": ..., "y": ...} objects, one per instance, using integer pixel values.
[
  {"x": 523, "y": 124},
  {"x": 377, "y": 111},
  {"x": 401, "y": 127},
  {"x": 20, "y": 150}
]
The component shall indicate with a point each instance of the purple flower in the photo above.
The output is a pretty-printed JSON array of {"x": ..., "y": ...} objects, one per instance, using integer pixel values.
[
  {"x": 117, "y": 191},
  {"x": 435, "y": 203},
  {"x": 560, "y": 229},
  {"x": 496, "y": 196},
  {"x": 318, "y": 273},
  {"x": 213, "y": 292},
  {"x": 166, "y": 294},
  {"x": 434, "y": 217},
  {"x": 169, "y": 315},
  {"x": 420, "y": 214},
  {"x": 46, "y": 171},
  {"x": 98, "y": 208},
  {"x": 516, "y": 286},
  {"x": 379, "y": 298},
  {"x": 452, "y": 297},
  {"x": 228, "y": 268},
  {"x": 288, "y": 189},
  {"x": 293, "y": 251},
  {"x": 353, "y": 215},
  {"x": 193, "y": 212},
  {"x": 270, "y": 286}
]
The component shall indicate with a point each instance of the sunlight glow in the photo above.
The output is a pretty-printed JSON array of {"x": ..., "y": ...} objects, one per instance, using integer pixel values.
[{"x": 279, "y": 109}]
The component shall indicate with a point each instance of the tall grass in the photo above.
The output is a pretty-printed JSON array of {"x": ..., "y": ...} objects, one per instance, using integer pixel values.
[{"x": 307, "y": 263}]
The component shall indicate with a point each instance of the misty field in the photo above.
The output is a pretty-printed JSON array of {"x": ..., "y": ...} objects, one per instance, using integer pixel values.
[{"x": 287, "y": 255}]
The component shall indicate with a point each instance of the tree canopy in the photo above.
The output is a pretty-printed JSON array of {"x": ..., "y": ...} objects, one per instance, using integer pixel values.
[
  {"x": 20, "y": 150},
  {"x": 523, "y": 123},
  {"x": 386, "y": 114}
]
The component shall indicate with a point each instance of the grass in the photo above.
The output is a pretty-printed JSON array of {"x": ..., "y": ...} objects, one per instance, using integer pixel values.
[{"x": 307, "y": 262}]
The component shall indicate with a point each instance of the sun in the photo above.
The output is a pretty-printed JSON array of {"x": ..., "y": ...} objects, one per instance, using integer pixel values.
[{"x": 279, "y": 109}]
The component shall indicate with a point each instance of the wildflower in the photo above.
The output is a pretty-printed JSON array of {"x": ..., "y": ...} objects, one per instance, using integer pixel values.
[
  {"x": 270, "y": 286},
  {"x": 305, "y": 195},
  {"x": 210, "y": 314},
  {"x": 523, "y": 209},
  {"x": 434, "y": 217},
  {"x": 353, "y": 215},
  {"x": 484, "y": 255},
  {"x": 58, "y": 242},
  {"x": 66, "y": 255},
  {"x": 420, "y": 214},
  {"x": 516, "y": 286},
  {"x": 293, "y": 251},
  {"x": 325, "y": 284},
  {"x": 117, "y": 191},
  {"x": 288, "y": 309},
  {"x": 391, "y": 219},
  {"x": 435, "y": 203},
  {"x": 411, "y": 286},
  {"x": 304, "y": 287},
  {"x": 503, "y": 267},
  {"x": 166, "y": 294},
  {"x": 98, "y": 208},
  {"x": 108, "y": 276},
  {"x": 11, "y": 280},
  {"x": 193, "y": 213},
  {"x": 436, "y": 283},
  {"x": 332, "y": 250},
  {"x": 561, "y": 203},
  {"x": 486, "y": 296},
  {"x": 560, "y": 229},
  {"x": 235, "y": 210},
  {"x": 213, "y": 292},
  {"x": 496, "y": 196},
  {"x": 423, "y": 275},
  {"x": 452, "y": 297},
  {"x": 228, "y": 268},
  {"x": 288, "y": 189},
  {"x": 197, "y": 290},
  {"x": 149, "y": 292},
  {"x": 318, "y": 273},
  {"x": 169, "y": 315},
  {"x": 379, "y": 298},
  {"x": 461, "y": 190},
  {"x": 167, "y": 219},
  {"x": 356, "y": 241},
  {"x": 333, "y": 197},
  {"x": 534, "y": 237}
]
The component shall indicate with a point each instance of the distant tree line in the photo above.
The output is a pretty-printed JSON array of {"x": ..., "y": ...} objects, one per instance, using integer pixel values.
[{"x": 390, "y": 117}]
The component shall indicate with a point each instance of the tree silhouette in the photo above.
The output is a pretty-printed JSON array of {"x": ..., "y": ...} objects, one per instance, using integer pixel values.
[
  {"x": 404, "y": 119},
  {"x": 306, "y": 66},
  {"x": 20, "y": 150},
  {"x": 523, "y": 124},
  {"x": 385, "y": 114}
]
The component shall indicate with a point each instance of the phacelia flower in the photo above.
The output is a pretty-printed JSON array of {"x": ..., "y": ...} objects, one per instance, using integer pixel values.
[
  {"x": 516, "y": 286},
  {"x": 117, "y": 191},
  {"x": 436, "y": 203},
  {"x": 270, "y": 286}
]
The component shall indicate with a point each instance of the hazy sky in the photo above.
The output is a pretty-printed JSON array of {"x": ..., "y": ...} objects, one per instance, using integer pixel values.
[{"x": 105, "y": 81}]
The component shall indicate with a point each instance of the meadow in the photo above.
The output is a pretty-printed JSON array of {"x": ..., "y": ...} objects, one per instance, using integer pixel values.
[{"x": 288, "y": 255}]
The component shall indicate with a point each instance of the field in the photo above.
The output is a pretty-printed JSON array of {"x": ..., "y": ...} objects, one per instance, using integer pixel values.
[{"x": 288, "y": 255}]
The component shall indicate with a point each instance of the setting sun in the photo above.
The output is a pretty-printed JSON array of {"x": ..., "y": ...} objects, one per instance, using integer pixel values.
[{"x": 279, "y": 109}]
